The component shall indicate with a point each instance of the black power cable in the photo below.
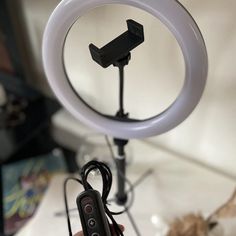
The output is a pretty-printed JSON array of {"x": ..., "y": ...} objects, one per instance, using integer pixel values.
[
  {"x": 107, "y": 183},
  {"x": 66, "y": 202}
]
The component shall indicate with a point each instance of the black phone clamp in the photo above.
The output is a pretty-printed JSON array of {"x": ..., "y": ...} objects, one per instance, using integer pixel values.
[{"x": 120, "y": 47}]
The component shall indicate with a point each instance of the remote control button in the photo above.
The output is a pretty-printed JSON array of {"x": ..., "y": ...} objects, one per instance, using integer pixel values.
[
  {"x": 88, "y": 209},
  {"x": 95, "y": 234},
  {"x": 86, "y": 200},
  {"x": 92, "y": 223}
]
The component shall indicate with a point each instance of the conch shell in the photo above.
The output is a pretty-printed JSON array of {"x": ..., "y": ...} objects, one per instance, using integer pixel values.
[
  {"x": 189, "y": 225},
  {"x": 197, "y": 225}
]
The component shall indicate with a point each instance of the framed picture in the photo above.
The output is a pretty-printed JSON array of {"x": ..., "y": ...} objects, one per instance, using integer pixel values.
[
  {"x": 10, "y": 63},
  {"x": 6, "y": 65}
]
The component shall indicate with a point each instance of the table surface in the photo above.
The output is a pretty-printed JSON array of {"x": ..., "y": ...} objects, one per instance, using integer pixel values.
[{"x": 175, "y": 188}]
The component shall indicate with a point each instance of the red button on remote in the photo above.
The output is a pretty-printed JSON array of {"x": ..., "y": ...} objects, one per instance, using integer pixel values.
[{"x": 88, "y": 209}]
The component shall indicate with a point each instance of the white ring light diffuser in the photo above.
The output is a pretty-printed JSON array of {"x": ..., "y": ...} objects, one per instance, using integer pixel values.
[{"x": 186, "y": 32}]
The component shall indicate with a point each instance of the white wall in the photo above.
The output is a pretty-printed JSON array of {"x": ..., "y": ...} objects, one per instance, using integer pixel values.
[{"x": 156, "y": 73}]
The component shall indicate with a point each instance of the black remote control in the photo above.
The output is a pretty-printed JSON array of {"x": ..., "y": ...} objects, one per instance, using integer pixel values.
[{"x": 92, "y": 214}]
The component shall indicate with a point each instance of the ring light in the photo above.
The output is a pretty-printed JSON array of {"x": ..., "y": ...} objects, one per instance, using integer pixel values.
[{"x": 186, "y": 32}]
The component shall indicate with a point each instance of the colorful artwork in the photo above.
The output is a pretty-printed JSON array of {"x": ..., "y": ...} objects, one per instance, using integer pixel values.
[{"x": 24, "y": 185}]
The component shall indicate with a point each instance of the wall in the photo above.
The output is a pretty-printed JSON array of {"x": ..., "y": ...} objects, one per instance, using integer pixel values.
[{"x": 156, "y": 73}]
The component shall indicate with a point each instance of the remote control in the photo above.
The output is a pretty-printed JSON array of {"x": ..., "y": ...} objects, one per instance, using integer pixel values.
[{"x": 92, "y": 214}]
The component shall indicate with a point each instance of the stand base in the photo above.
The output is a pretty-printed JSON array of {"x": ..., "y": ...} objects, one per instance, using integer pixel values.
[{"x": 121, "y": 201}]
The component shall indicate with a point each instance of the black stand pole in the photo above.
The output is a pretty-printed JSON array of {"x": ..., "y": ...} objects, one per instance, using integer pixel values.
[{"x": 121, "y": 196}]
